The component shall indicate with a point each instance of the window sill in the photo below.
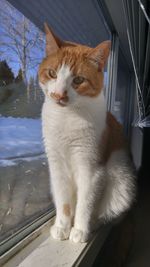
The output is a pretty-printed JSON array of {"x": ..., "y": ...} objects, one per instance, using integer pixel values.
[{"x": 44, "y": 251}]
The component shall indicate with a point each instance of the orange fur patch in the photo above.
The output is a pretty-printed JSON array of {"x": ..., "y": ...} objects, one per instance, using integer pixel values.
[
  {"x": 112, "y": 138},
  {"x": 66, "y": 210}
]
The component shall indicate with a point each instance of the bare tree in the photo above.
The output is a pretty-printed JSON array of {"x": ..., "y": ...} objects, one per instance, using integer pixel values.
[{"x": 21, "y": 42}]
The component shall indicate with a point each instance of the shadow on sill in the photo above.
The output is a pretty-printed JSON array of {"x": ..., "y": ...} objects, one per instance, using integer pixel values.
[{"x": 128, "y": 242}]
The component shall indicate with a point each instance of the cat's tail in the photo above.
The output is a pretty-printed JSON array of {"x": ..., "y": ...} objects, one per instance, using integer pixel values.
[{"x": 119, "y": 192}]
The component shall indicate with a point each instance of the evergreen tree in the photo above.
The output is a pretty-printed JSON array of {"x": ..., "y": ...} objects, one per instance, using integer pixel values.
[
  {"x": 6, "y": 74},
  {"x": 19, "y": 77}
]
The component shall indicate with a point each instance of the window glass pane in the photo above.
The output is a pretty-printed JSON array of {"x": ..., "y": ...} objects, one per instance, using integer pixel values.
[
  {"x": 24, "y": 183},
  {"x": 24, "y": 177}
]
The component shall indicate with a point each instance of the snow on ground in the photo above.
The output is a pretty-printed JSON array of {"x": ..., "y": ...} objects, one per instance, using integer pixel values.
[{"x": 20, "y": 138}]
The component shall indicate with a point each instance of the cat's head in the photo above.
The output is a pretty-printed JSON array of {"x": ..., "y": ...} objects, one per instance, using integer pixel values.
[{"x": 72, "y": 71}]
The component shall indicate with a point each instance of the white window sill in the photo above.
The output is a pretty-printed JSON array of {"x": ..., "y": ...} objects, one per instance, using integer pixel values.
[{"x": 44, "y": 251}]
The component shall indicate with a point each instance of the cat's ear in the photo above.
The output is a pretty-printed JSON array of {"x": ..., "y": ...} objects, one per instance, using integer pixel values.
[
  {"x": 53, "y": 43},
  {"x": 100, "y": 53}
]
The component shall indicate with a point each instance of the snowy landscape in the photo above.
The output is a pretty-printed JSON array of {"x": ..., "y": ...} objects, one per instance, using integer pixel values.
[{"x": 20, "y": 138}]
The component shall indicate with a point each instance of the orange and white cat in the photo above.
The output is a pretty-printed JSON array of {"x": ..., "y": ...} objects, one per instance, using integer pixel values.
[{"x": 92, "y": 178}]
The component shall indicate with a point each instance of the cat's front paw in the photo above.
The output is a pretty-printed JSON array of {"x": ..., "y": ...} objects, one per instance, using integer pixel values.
[
  {"x": 79, "y": 236},
  {"x": 59, "y": 233}
]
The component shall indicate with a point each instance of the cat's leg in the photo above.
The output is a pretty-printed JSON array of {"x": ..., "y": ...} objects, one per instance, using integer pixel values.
[
  {"x": 63, "y": 193},
  {"x": 90, "y": 183}
]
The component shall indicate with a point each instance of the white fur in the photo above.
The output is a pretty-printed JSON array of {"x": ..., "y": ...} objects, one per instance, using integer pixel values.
[
  {"x": 59, "y": 85},
  {"x": 71, "y": 136}
]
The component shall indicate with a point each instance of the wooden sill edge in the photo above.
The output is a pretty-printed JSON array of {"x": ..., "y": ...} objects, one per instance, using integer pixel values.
[{"x": 68, "y": 254}]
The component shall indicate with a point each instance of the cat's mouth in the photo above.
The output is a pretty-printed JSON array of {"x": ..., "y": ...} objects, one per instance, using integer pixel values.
[
  {"x": 60, "y": 99},
  {"x": 61, "y": 103}
]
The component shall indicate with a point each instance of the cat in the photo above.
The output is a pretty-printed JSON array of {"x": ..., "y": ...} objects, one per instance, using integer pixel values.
[{"x": 91, "y": 173}]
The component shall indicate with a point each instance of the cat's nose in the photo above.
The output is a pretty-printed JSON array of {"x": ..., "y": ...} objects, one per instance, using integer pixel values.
[{"x": 59, "y": 96}]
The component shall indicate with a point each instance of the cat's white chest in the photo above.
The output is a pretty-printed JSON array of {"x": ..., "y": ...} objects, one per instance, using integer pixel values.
[
  {"x": 61, "y": 126},
  {"x": 67, "y": 131},
  {"x": 53, "y": 123}
]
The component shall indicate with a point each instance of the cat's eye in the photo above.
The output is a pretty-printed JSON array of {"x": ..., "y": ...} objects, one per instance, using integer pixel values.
[
  {"x": 78, "y": 80},
  {"x": 52, "y": 74}
]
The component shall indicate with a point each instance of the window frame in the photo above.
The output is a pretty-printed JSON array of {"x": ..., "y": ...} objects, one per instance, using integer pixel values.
[
  {"x": 25, "y": 231},
  {"x": 17, "y": 241},
  {"x": 127, "y": 114},
  {"x": 112, "y": 72}
]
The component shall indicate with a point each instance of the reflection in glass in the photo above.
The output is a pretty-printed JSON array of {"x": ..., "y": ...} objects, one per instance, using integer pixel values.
[{"x": 122, "y": 97}]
